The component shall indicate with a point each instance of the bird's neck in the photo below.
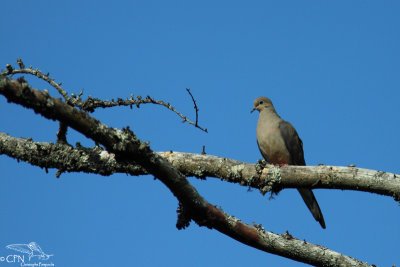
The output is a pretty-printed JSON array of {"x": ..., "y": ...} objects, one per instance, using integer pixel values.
[
  {"x": 267, "y": 119},
  {"x": 269, "y": 114}
]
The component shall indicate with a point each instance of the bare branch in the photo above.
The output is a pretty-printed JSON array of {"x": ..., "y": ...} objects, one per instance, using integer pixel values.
[
  {"x": 271, "y": 178},
  {"x": 62, "y": 133},
  {"x": 37, "y": 73},
  {"x": 92, "y": 103},
  {"x": 195, "y": 106},
  {"x": 64, "y": 157},
  {"x": 126, "y": 146}
]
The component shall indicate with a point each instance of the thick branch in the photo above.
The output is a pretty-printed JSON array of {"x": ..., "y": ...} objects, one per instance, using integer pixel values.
[
  {"x": 96, "y": 160},
  {"x": 126, "y": 146}
]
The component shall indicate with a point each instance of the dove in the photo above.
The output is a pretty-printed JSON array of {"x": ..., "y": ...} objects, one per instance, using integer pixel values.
[{"x": 280, "y": 144}]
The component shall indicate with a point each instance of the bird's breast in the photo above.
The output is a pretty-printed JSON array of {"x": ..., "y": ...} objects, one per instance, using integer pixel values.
[{"x": 272, "y": 145}]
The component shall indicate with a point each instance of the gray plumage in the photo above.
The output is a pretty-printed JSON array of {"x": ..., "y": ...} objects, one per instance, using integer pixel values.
[{"x": 280, "y": 144}]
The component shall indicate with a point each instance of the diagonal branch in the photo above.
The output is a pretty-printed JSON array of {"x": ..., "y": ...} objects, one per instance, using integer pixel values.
[{"x": 126, "y": 146}]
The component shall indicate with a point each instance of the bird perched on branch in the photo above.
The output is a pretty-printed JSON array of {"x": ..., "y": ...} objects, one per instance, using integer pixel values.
[{"x": 280, "y": 145}]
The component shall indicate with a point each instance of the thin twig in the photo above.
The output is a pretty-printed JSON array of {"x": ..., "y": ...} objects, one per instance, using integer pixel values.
[
  {"x": 195, "y": 106},
  {"x": 37, "y": 73},
  {"x": 91, "y": 104}
]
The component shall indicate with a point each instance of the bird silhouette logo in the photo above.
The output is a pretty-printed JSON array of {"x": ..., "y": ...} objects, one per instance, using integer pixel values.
[{"x": 32, "y": 249}]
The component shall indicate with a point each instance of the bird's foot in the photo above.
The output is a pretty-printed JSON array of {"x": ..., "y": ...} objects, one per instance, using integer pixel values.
[{"x": 260, "y": 166}]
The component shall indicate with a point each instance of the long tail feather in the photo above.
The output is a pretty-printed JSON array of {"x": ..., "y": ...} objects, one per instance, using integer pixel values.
[{"x": 312, "y": 204}]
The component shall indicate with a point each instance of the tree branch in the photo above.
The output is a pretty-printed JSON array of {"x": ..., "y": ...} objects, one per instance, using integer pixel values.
[
  {"x": 271, "y": 178},
  {"x": 90, "y": 104},
  {"x": 125, "y": 145}
]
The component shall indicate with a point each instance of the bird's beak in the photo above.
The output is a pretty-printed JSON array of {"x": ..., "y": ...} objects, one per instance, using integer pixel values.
[{"x": 251, "y": 111}]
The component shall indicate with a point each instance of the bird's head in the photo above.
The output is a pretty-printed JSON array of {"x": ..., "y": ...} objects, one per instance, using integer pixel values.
[{"x": 262, "y": 103}]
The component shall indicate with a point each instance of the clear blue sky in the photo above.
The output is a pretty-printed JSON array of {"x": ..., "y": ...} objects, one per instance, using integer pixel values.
[{"x": 330, "y": 67}]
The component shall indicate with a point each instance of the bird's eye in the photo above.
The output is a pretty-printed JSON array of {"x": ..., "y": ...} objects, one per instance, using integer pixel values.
[{"x": 261, "y": 102}]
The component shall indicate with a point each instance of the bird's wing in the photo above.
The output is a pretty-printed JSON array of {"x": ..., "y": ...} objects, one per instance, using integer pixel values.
[
  {"x": 295, "y": 147},
  {"x": 293, "y": 143}
]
